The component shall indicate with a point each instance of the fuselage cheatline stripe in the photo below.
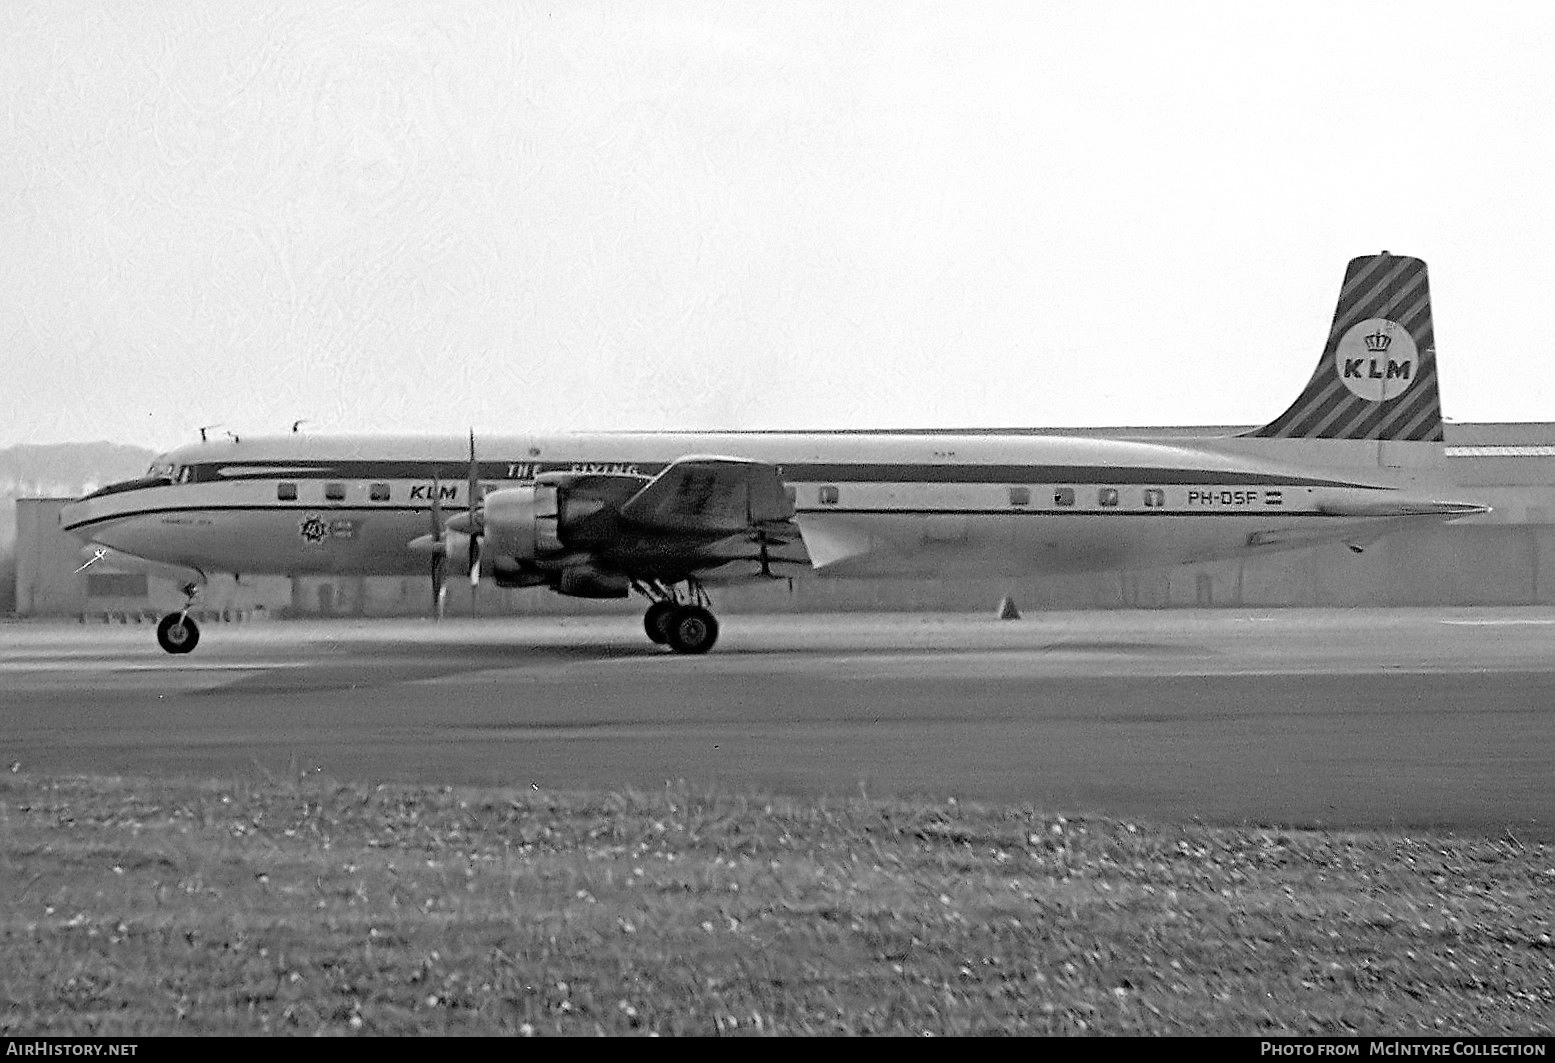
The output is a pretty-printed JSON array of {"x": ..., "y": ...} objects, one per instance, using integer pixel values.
[{"x": 841, "y": 511}]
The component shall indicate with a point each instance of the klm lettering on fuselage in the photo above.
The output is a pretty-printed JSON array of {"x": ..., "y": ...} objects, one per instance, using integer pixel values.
[
  {"x": 522, "y": 471},
  {"x": 423, "y": 492},
  {"x": 1393, "y": 370}
]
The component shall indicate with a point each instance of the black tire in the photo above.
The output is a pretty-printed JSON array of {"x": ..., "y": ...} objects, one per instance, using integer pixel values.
[
  {"x": 655, "y": 618},
  {"x": 691, "y": 629},
  {"x": 178, "y": 634}
]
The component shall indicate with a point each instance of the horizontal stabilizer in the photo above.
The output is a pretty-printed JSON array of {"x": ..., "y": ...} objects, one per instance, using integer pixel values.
[{"x": 1447, "y": 510}]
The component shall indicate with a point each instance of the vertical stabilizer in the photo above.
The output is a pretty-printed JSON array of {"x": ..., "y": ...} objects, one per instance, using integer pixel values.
[{"x": 1377, "y": 377}]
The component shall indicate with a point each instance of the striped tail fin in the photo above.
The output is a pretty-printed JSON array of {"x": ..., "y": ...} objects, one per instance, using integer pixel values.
[{"x": 1377, "y": 376}]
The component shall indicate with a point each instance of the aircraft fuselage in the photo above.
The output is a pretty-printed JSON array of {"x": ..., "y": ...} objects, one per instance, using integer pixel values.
[{"x": 869, "y": 505}]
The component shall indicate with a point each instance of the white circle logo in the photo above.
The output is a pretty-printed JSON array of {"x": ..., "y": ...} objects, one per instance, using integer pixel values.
[{"x": 1376, "y": 359}]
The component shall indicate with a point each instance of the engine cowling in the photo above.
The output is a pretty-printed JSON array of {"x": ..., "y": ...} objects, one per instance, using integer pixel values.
[
  {"x": 522, "y": 522},
  {"x": 545, "y": 533},
  {"x": 558, "y": 512}
]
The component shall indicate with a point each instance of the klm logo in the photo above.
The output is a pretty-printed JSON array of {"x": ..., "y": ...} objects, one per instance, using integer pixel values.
[
  {"x": 1371, "y": 369},
  {"x": 1378, "y": 342},
  {"x": 423, "y": 492},
  {"x": 1376, "y": 359}
]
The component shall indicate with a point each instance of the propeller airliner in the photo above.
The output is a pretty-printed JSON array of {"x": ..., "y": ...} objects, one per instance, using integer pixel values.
[{"x": 1357, "y": 455}]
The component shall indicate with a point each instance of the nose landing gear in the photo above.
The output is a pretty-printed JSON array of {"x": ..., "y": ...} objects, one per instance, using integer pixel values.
[{"x": 177, "y": 633}]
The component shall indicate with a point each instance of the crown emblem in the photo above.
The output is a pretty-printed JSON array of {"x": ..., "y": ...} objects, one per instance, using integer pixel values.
[{"x": 1378, "y": 342}]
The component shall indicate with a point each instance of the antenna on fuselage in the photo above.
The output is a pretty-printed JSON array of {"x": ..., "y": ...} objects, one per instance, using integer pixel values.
[
  {"x": 298, "y": 423},
  {"x": 233, "y": 436},
  {"x": 206, "y": 428}
]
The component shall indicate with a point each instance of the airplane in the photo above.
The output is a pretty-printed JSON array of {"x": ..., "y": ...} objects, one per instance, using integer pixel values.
[{"x": 1357, "y": 455}]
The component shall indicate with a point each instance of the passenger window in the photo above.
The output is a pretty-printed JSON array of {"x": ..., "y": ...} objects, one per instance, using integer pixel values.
[
  {"x": 379, "y": 492},
  {"x": 1107, "y": 496},
  {"x": 1155, "y": 497},
  {"x": 1063, "y": 496},
  {"x": 286, "y": 492},
  {"x": 828, "y": 495},
  {"x": 1020, "y": 496},
  {"x": 335, "y": 492}
]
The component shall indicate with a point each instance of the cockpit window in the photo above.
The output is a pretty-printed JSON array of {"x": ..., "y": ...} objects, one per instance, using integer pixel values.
[
  {"x": 160, "y": 474},
  {"x": 130, "y": 485}
]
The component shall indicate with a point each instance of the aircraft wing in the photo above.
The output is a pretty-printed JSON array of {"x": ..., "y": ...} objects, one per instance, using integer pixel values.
[
  {"x": 724, "y": 519},
  {"x": 712, "y": 496}
]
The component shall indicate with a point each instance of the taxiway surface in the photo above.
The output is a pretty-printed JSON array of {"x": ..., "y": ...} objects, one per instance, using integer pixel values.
[{"x": 1397, "y": 718}]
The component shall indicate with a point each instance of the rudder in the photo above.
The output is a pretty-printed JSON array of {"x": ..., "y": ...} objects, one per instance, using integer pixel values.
[{"x": 1377, "y": 377}]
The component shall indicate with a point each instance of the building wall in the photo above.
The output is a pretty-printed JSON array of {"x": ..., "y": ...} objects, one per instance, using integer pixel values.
[{"x": 46, "y": 583}]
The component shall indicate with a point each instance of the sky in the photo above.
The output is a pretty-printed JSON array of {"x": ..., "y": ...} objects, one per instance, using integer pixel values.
[{"x": 404, "y": 216}]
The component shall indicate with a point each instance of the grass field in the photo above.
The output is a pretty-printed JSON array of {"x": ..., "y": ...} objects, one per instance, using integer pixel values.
[{"x": 141, "y": 906}]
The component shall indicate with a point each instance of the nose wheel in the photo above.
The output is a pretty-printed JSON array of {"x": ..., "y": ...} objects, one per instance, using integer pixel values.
[{"x": 177, "y": 633}]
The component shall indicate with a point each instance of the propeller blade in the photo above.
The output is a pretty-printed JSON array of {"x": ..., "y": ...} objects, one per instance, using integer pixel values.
[
  {"x": 475, "y": 536},
  {"x": 474, "y": 474},
  {"x": 437, "y": 510},
  {"x": 439, "y": 590},
  {"x": 439, "y": 559}
]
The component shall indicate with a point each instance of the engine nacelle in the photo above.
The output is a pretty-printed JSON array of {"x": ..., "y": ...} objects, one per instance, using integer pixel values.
[
  {"x": 510, "y": 574},
  {"x": 521, "y": 522},
  {"x": 586, "y": 581},
  {"x": 559, "y": 511}
]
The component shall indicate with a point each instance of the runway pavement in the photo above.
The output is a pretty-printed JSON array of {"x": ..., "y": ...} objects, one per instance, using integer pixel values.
[{"x": 1396, "y": 718}]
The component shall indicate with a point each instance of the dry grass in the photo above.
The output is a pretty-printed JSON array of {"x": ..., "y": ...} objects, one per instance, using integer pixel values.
[{"x": 136, "y": 906}]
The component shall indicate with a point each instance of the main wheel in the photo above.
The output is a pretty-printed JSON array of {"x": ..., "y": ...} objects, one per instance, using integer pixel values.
[
  {"x": 691, "y": 629},
  {"x": 655, "y": 618},
  {"x": 177, "y": 633}
]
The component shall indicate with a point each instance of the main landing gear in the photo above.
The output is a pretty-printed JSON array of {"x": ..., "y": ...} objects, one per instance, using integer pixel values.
[
  {"x": 177, "y": 633},
  {"x": 683, "y": 621}
]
